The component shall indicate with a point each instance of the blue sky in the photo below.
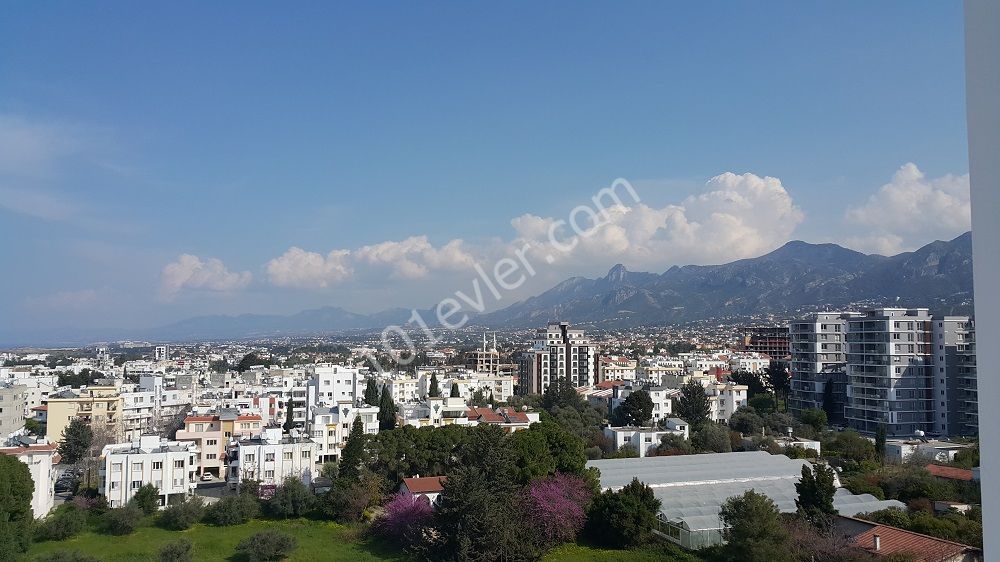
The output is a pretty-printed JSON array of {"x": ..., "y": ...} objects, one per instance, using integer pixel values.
[{"x": 132, "y": 135}]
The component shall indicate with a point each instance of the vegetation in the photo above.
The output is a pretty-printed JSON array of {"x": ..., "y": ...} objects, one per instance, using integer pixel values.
[
  {"x": 16, "y": 519},
  {"x": 147, "y": 498},
  {"x": 233, "y": 510},
  {"x": 754, "y": 530},
  {"x": 623, "y": 519},
  {"x": 266, "y": 545},
  {"x": 693, "y": 405},
  {"x": 75, "y": 442},
  {"x": 816, "y": 489},
  {"x": 182, "y": 515},
  {"x": 291, "y": 499},
  {"x": 65, "y": 521},
  {"x": 635, "y": 410},
  {"x": 180, "y": 550}
]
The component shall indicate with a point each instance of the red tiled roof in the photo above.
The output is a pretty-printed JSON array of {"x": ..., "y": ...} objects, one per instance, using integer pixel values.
[
  {"x": 608, "y": 384},
  {"x": 190, "y": 419},
  {"x": 42, "y": 408},
  {"x": 893, "y": 540},
  {"x": 28, "y": 449},
  {"x": 249, "y": 417},
  {"x": 949, "y": 472},
  {"x": 484, "y": 415},
  {"x": 424, "y": 485}
]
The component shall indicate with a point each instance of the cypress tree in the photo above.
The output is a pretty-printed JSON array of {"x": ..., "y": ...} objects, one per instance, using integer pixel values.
[
  {"x": 386, "y": 411},
  {"x": 434, "y": 391}
]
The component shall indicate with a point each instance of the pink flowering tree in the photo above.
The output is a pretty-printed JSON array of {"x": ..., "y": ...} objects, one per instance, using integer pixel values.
[
  {"x": 404, "y": 517},
  {"x": 556, "y": 507}
]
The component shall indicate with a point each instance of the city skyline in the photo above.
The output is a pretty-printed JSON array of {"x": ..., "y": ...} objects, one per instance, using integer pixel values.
[{"x": 361, "y": 161}]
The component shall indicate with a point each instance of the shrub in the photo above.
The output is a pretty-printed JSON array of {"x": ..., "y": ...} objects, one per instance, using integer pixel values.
[
  {"x": 178, "y": 551},
  {"x": 147, "y": 498},
  {"x": 712, "y": 438},
  {"x": 266, "y": 545},
  {"x": 672, "y": 444},
  {"x": 625, "y": 518},
  {"x": 233, "y": 510},
  {"x": 66, "y": 556},
  {"x": 64, "y": 522},
  {"x": 121, "y": 521},
  {"x": 291, "y": 499},
  {"x": 181, "y": 516},
  {"x": 557, "y": 508}
]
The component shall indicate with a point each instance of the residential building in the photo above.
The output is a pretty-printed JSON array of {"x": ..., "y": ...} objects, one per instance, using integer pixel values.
[
  {"x": 724, "y": 399},
  {"x": 955, "y": 404},
  {"x": 40, "y": 459},
  {"x": 642, "y": 439},
  {"x": 558, "y": 352},
  {"x": 615, "y": 368},
  {"x": 509, "y": 419},
  {"x": 890, "y": 361},
  {"x": 331, "y": 426},
  {"x": 100, "y": 407},
  {"x": 272, "y": 457},
  {"x": 659, "y": 395},
  {"x": 484, "y": 360},
  {"x": 330, "y": 384},
  {"x": 818, "y": 347},
  {"x": 13, "y": 409},
  {"x": 898, "y": 451},
  {"x": 434, "y": 412},
  {"x": 213, "y": 433},
  {"x": 886, "y": 541},
  {"x": 161, "y": 353},
  {"x": 429, "y": 487},
  {"x": 170, "y": 466}
]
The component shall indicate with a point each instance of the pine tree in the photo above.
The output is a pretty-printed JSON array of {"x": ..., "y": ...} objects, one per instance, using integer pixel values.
[
  {"x": 76, "y": 441},
  {"x": 371, "y": 393},
  {"x": 289, "y": 414},
  {"x": 352, "y": 456},
  {"x": 386, "y": 411},
  {"x": 435, "y": 390},
  {"x": 816, "y": 489},
  {"x": 693, "y": 406},
  {"x": 455, "y": 392}
]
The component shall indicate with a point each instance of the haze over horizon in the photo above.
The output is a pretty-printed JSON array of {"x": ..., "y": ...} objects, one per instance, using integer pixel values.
[{"x": 155, "y": 168}]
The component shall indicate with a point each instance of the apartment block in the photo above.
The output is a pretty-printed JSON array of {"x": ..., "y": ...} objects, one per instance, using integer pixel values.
[
  {"x": 955, "y": 394},
  {"x": 41, "y": 459},
  {"x": 330, "y": 427},
  {"x": 100, "y": 407},
  {"x": 13, "y": 407},
  {"x": 818, "y": 349},
  {"x": 558, "y": 352},
  {"x": 272, "y": 457},
  {"x": 170, "y": 466}
]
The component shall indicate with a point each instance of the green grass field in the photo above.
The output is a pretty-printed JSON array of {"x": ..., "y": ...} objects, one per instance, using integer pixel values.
[
  {"x": 317, "y": 540},
  {"x": 580, "y": 553}
]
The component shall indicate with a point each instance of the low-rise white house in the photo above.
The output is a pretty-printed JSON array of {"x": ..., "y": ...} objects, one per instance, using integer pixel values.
[
  {"x": 171, "y": 466},
  {"x": 272, "y": 457},
  {"x": 40, "y": 459},
  {"x": 659, "y": 395},
  {"x": 724, "y": 399},
  {"x": 429, "y": 487},
  {"x": 642, "y": 439},
  {"x": 898, "y": 451},
  {"x": 435, "y": 412}
]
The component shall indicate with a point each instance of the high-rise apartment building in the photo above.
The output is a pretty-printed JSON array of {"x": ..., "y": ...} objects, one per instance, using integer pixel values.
[
  {"x": 161, "y": 353},
  {"x": 818, "y": 350},
  {"x": 558, "y": 352},
  {"x": 890, "y": 362},
  {"x": 955, "y": 394}
]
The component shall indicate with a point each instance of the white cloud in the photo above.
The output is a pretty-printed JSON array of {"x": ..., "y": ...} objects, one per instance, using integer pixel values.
[
  {"x": 191, "y": 272},
  {"x": 37, "y": 203},
  {"x": 68, "y": 300},
  {"x": 911, "y": 210},
  {"x": 736, "y": 216},
  {"x": 29, "y": 147},
  {"x": 412, "y": 258},
  {"x": 302, "y": 269}
]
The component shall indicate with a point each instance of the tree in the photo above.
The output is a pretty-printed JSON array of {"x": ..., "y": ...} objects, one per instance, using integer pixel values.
[
  {"x": 386, "y": 410},
  {"x": 556, "y": 508},
  {"x": 778, "y": 381},
  {"x": 404, "y": 518},
  {"x": 712, "y": 438},
  {"x": 250, "y": 360},
  {"x": 635, "y": 410},
  {"x": 816, "y": 489},
  {"x": 828, "y": 404},
  {"x": 434, "y": 391},
  {"x": 354, "y": 456},
  {"x": 266, "y": 545},
  {"x": 560, "y": 393},
  {"x": 746, "y": 421},
  {"x": 455, "y": 391},
  {"x": 330, "y": 470},
  {"x": 291, "y": 499},
  {"x": 693, "y": 405},
  {"x": 289, "y": 413},
  {"x": 880, "y": 436},
  {"x": 76, "y": 440},
  {"x": 672, "y": 444},
  {"x": 371, "y": 393},
  {"x": 753, "y": 381},
  {"x": 34, "y": 426},
  {"x": 479, "y": 399},
  {"x": 625, "y": 518},
  {"x": 147, "y": 498},
  {"x": 815, "y": 417},
  {"x": 753, "y": 530},
  {"x": 180, "y": 550},
  {"x": 61, "y": 523},
  {"x": 121, "y": 521},
  {"x": 16, "y": 519}
]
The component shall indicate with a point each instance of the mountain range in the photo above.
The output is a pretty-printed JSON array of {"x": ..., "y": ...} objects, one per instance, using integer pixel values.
[{"x": 796, "y": 277}]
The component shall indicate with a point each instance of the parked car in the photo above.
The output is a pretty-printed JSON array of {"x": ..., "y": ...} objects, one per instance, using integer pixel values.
[{"x": 207, "y": 477}]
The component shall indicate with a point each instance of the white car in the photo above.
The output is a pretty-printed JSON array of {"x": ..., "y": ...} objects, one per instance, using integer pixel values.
[{"x": 207, "y": 477}]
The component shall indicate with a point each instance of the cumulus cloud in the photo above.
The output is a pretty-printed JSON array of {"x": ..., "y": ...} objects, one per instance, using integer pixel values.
[
  {"x": 310, "y": 270},
  {"x": 192, "y": 272},
  {"x": 412, "y": 258},
  {"x": 910, "y": 210},
  {"x": 736, "y": 216}
]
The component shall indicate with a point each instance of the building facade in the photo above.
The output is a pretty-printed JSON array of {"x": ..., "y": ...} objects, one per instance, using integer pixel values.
[
  {"x": 558, "y": 352},
  {"x": 170, "y": 466}
]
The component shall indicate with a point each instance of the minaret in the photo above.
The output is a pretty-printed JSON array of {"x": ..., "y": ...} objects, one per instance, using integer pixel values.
[
  {"x": 494, "y": 341},
  {"x": 484, "y": 342}
]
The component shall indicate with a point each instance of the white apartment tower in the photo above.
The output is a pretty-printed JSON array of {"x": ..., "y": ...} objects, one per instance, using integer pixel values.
[
  {"x": 558, "y": 352},
  {"x": 890, "y": 363},
  {"x": 818, "y": 347}
]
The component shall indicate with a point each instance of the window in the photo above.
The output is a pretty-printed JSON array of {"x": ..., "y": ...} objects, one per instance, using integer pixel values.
[
  {"x": 116, "y": 467},
  {"x": 198, "y": 427},
  {"x": 287, "y": 455},
  {"x": 137, "y": 467},
  {"x": 157, "y": 465},
  {"x": 136, "y": 484},
  {"x": 114, "y": 485},
  {"x": 178, "y": 464},
  {"x": 269, "y": 457},
  {"x": 268, "y": 474},
  {"x": 211, "y": 456},
  {"x": 249, "y": 458},
  {"x": 306, "y": 454},
  {"x": 210, "y": 442}
]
